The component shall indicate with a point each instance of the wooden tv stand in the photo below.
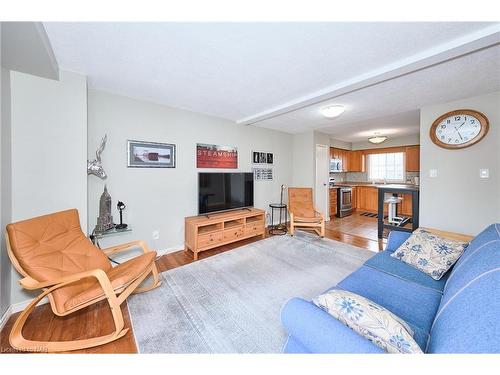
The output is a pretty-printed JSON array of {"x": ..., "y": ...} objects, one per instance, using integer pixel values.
[{"x": 212, "y": 230}]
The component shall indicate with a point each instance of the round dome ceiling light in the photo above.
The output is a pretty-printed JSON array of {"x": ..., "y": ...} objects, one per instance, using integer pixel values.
[
  {"x": 332, "y": 111},
  {"x": 377, "y": 138}
]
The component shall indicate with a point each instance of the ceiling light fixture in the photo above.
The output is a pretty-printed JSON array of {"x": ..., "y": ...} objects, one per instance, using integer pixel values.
[
  {"x": 332, "y": 111},
  {"x": 377, "y": 138}
]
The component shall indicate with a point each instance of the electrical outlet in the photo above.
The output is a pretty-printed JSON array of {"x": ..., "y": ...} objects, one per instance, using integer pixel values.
[
  {"x": 433, "y": 173},
  {"x": 484, "y": 173},
  {"x": 156, "y": 234}
]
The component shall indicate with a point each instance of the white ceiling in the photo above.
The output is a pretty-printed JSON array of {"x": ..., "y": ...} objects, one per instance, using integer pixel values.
[
  {"x": 395, "y": 104},
  {"x": 265, "y": 73}
]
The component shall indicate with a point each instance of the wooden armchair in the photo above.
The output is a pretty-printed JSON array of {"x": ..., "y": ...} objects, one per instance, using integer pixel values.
[
  {"x": 53, "y": 254},
  {"x": 302, "y": 212}
]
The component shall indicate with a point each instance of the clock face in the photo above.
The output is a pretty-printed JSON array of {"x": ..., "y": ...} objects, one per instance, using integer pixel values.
[{"x": 459, "y": 129}]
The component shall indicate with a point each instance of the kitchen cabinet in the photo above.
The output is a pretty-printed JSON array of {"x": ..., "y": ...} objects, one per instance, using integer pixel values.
[
  {"x": 355, "y": 161},
  {"x": 352, "y": 161},
  {"x": 354, "y": 198},
  {"x": 367, "y": 198},
  {"x": 404, "y": 208},
  {"x": 333, "y": 202},
  {"x": 412, "y": 158}
]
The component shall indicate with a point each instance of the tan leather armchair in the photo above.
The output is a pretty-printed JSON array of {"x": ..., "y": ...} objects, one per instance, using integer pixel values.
[
  {"x": 53, "y": 254},
  {"x": 302, "y": 212}
]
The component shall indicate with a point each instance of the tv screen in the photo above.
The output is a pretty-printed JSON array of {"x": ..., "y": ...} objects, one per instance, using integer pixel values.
[{"x": 224, "y": 191}]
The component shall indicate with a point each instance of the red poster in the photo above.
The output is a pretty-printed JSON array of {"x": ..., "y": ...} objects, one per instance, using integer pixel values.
[{"x": 213, "y": 156}]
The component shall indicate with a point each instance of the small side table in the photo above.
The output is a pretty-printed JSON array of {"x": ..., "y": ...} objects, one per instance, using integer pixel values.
[
  {"x": 95, "y": 237},
  {"x": 279, "y": 228}
]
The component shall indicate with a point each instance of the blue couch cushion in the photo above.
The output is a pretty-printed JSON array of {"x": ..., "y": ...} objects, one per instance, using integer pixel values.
[
  {"x": 292, "y": 346},
  {"x": 393, "y": 266},
  {"x": 468, "y": 316},
  {"x": 415, "y": 304},
  {"x": 314, "y": 330},
  {"x": 396, "y": 239}
]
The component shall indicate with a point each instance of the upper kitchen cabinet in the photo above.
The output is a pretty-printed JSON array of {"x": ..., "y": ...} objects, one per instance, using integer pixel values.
[
  {"x": 352, "y": 161},
  {"x": 412, "y": 158},
  {"x": 355, "y": 161}
]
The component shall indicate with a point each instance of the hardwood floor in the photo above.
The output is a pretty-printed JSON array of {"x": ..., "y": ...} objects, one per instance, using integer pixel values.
[{"x": 96, "y": 320}]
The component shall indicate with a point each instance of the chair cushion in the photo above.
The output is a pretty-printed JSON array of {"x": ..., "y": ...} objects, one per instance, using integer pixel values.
[
  {"x": 467, "y": 319},
  {"x": 52, "y": 246},
  {"x": 300, "y": 202},
  {"x": 392, "y": 266},
  {"x": 430, "y": 253},
  {"x": 120, "y": 276},
  {"x": 415, "y": 304},
  {"x": 370, "y": 320}
]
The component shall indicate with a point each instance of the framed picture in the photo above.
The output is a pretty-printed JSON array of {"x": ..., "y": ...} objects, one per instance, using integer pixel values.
[
  {"x": 214, "y": 156},
  {"x": 255, "y": 157},
  {"x": 142, "y": 154},
  {"x": 263, "y": 174},
  {"x": 259, "y": 157}
]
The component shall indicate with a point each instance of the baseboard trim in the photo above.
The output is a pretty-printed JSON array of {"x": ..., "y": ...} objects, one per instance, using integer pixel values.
[
  {"x": 20, "y": 306},
  {"x": 5, "y": 317},
  {"x": 169, "y": 250}
]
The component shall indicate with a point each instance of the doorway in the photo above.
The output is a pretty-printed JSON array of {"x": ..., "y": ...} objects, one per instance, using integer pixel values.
[{"x": 321, "y": 185}]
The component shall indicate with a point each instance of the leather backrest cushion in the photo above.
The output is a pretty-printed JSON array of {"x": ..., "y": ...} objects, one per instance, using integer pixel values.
[
  {"x": 467, "y": 318},
  {"x": 54, "y": 245},
  {"x": 300, "y": 202}
]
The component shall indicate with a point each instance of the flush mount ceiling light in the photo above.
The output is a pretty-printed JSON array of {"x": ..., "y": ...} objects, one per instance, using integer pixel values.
[
  {"x": 377, "y": 138},
  {"x": 332, "y": 111}
]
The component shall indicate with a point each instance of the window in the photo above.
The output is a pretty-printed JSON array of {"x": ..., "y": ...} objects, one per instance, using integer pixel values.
[{"x": 389, "y": 167}]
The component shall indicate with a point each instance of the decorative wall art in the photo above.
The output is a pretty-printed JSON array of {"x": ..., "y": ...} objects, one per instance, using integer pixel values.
[
  {"x": 262, "y": 174},
  {"x": 95, "y": 166},
  {"x": 214, "y": 156},
  {"x": 150, "y": 154},
  {"x": 262, "y": 157}
]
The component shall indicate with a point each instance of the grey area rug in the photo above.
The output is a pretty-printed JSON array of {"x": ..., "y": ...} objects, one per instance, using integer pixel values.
[{"x": 231, "y": 302}]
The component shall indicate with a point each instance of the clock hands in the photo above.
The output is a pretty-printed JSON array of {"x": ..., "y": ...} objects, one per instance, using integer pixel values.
[{"x": 460, "y": 135}]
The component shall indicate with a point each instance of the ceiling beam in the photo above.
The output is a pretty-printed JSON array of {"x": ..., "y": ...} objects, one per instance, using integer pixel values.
[
  {"x": 469, "y": 43},
  {"x": 26, "y": 48}
]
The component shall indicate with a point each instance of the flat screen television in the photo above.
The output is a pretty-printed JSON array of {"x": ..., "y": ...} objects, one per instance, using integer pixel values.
[{"x": 224, "y": 191}]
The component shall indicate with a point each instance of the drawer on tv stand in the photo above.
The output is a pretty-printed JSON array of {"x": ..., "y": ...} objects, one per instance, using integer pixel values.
[
  {"x": 233, "y": 233},
  {"x": 209, "y": 239}
]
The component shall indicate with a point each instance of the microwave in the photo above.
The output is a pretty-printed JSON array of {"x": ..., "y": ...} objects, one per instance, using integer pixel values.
[{"x": 336, "y": 165}]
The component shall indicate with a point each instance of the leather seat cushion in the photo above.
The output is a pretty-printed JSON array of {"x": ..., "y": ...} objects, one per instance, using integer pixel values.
[
  {"x": 120, "y": 276},
  {"x": 52, "y": 246}
]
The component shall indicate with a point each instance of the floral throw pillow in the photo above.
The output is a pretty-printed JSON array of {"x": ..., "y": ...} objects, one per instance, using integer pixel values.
[
  {"x": 430, "y": 253},
  {"x": 370, "y": 320}
]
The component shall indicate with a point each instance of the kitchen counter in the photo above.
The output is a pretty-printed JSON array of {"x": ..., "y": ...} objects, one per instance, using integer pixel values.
[
  {"x": 393, "y": 187},
  {"x": 369, "y": 184}
]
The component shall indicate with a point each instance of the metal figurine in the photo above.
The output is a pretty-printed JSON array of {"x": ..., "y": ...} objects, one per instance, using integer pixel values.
[
  {"x": 105, "y": 220},
  {"x": 95, "y": 166}
]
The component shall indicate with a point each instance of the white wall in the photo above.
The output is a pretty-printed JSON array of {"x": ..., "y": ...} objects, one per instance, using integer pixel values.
[
  {"x": 303, "y": 159},
  {"x": 5, "y": 189},
  {"x": 160, "y": 198},
  {"x": 340, "y": 144},
  {"x": 457, "y": 199},
  {"x": 49, "y": 149}
]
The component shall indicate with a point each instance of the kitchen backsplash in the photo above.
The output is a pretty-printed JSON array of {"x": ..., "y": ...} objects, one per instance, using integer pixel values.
[{"x": 363, "y": 176}]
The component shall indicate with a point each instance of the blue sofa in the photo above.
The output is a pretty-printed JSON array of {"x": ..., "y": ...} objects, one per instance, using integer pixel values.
[{"x": 458, "y": 314}]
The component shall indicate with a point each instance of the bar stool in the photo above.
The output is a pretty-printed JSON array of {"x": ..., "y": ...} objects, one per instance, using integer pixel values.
[{"x": 393, "y": 210}]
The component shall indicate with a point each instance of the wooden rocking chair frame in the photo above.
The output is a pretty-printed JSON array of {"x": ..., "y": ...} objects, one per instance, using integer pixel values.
[{"x": 115, "y": 298}]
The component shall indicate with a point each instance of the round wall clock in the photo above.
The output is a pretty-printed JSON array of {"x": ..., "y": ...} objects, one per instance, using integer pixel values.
[{"x": 459, "y": 129}]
